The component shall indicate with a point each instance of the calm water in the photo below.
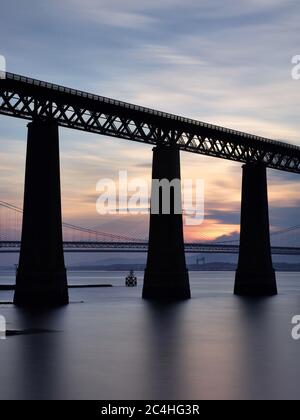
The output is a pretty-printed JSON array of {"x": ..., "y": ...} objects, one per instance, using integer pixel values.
[{"x": 110, "y": 344}]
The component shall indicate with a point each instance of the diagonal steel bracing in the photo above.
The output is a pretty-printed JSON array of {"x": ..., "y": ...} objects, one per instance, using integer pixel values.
[{"x": 27, "y": 98}]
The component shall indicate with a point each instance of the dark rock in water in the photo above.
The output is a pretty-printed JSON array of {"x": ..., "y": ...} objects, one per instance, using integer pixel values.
[
  {"x": 84, "y": 286},
  {"x": 7, "y": 287},
  {"x": 72, "y": 286},
  {"x": 30, "y": 331}
]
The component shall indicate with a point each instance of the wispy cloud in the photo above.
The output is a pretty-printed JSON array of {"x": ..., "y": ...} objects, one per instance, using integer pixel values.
[{"x": 225, "y": 62}]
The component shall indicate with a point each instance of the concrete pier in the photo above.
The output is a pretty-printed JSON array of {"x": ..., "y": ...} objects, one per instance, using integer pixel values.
[
  {"x": 255, "y": 274},
  {"x": 166, "y": 276},
  {"x": 41, "y": 275}
]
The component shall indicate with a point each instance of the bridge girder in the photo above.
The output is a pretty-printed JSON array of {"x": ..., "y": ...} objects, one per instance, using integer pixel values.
[{"x": 27, "y": 98}]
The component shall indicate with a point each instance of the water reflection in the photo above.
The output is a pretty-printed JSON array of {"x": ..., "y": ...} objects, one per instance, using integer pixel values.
[
  {"x": 163, "y": 326},
  {"x": 38, "y": 361},
  {"x": 117, "y": 346},
  {"x": 267, "y": 370}
]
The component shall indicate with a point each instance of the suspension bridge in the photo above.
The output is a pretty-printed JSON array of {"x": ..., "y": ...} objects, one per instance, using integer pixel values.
[{"x": 84, "y": 239}]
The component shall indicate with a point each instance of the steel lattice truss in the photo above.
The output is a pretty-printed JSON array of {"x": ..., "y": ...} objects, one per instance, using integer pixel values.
[{"x": 29, "y": 99}]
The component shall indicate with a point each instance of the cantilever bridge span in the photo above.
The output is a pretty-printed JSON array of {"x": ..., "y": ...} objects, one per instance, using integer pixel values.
[{"x": 41, "y": 276}]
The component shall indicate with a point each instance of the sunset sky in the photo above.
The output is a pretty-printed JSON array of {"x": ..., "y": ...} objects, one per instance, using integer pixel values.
[{"x": 220, "y": 61}]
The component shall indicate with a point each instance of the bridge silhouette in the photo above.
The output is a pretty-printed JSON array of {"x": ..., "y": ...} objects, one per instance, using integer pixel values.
[
  {"x": 85, "y": 239},
  {"x": 41, "y": 276}
]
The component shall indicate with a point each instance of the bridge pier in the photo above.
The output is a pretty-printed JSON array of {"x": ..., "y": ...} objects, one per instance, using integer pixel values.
[
  {"x": 166, "y": 276},
  {"x": 41, "y": 276},
  {"x": 255, "y": 274}
]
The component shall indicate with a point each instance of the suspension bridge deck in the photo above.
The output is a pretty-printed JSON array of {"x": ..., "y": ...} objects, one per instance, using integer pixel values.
[{"x": 190, "y": 248}]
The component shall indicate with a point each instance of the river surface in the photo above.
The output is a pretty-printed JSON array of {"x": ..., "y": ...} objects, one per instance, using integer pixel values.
[{"x": 110, "y": 344}]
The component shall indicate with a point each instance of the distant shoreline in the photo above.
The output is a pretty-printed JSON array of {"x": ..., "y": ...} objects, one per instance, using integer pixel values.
[{"x": 213, "y": 266}]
